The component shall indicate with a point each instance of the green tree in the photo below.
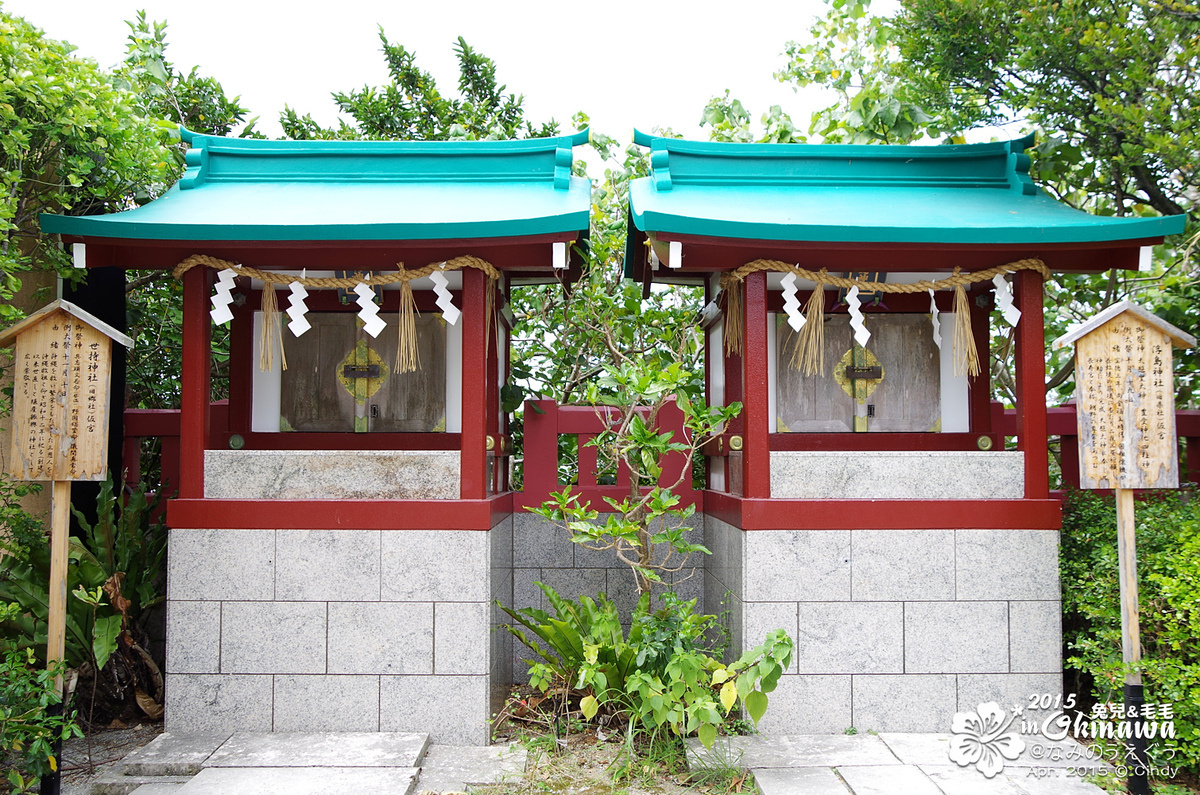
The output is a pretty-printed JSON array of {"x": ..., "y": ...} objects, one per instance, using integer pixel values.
[
  {"x": 411, "y": 108},
  {"x": 73, "y": 142},
  {"x": 192, "y": 100},
  {"x": 172, "y": 98},
  {"x": 1113, "y": 91},
  {"x": 1110, "y": 89}
]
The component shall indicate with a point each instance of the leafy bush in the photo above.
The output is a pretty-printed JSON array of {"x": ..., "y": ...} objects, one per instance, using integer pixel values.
[
  {"x": 1168, "y": 541},
  {"x": 115, "y": 574},
  {"x": 659, "y": 676},
  {"x": 27, "y": 729}
]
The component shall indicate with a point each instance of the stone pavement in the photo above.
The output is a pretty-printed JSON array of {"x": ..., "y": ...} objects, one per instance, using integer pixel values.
[
  {"x": 406, "y": 764},
  {"x": 895, "y": 764},
  {"x": 301, "y": 763}
]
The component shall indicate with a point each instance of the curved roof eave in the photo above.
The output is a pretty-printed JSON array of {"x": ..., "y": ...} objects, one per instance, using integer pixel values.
[
  {"x": 260, "y": 190},
  {"x": 975, "y": 194}
]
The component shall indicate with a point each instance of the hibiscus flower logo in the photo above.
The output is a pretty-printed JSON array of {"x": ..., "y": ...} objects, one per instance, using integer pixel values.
[{"x": 981, "y": 738}]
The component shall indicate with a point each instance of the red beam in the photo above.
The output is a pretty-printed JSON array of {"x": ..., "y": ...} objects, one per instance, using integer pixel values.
[
  {"x": 594, "y": 495},
  {"x": 338, "y": 514},
  {"x": 194, "y": 427},
  {"x": 151, "y": 422},
  {"x": 525, "y": 255},
  {"x": 780, "y": 514}
]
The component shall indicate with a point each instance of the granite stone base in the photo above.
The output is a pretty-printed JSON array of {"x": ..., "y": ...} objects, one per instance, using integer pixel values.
[
  {"x": 331, "y": 474},
  {"x": 895, "y": 630},
  {"x": 337, "y": 630},
  {"x": 900, "y": 475}
]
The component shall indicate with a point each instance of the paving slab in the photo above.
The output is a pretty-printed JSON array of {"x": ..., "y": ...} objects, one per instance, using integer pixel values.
[
  {"x": 799, "y": 781},
  {"x": 453, "y": 767},
  {"x": 158, "y": 789},
  {"x": 955, "y": 780},
  {"x": 1054, "y": 785},
  {"x": 173, "y": 754},
  {"x": 803, "y": 750},
  {"x": 888, "y": 780},
  {"x": 918, "y": 749},
  {"x": 320, "y": 749},
  {"x": 1066, "y": 753},
  {"x": 114, "y": 783},
  {"x": 301, "y": 781}
]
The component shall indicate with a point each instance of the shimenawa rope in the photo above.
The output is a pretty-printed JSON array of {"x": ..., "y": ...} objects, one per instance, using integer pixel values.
[
  {"x": 407, "y": 358},
  {"x": 808, "y": 354}
]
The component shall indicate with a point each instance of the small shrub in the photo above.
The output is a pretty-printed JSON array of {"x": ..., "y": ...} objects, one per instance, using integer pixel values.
[
  {"x": 658, "y": 677},
  {"x": 1168, "y": 541},
  {"x": 115, "y": 575},
  {"x": 27, "y": 729}
]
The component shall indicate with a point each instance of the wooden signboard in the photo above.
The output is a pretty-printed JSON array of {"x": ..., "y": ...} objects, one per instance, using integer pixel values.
[
  {"x": 60, "y": 400},
  {"x": 60, "y": 422},
  {"x": 1125, "y": 404}
]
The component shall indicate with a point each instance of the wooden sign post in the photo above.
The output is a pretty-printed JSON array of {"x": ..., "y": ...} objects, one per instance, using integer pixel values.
[
  {"x": 60, "y": 424},
  {"x": 1125, "y": 404}
]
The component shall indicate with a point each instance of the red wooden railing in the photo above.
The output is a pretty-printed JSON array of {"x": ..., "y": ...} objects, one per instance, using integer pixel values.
[
  {"x": 1061, "y": 422},
  {"x": 162, "y": 424},
  {"x": 545, "y": 421}
]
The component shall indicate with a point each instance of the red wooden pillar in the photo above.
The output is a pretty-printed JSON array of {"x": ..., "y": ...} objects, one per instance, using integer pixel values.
[
  {"x": 733, "y": 394},
  {"x": 756, "y": 455},
  {"x": 676, "y": 466},
  {"x": 1031, "y": 385},
  {"x": 541, "y": 450},
  {"x": 241, "y": 368},
  {"x": 197, "y": 351},
  {"x": 979, "y": 390},
  {"x": 473, "y": 452},
  {"x": 1069, "y": 460}
]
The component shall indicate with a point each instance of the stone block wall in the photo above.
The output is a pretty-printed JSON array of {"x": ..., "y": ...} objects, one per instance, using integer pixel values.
[
  {"x": 337, "y": 630},
  {"x": 896, "y": 630}
]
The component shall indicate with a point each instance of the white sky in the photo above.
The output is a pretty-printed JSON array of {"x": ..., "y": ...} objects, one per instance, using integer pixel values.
[{"x": 625, "y": 64}]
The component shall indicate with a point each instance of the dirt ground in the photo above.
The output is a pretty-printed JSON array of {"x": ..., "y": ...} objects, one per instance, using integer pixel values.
[{"x": 84, "y": 758}]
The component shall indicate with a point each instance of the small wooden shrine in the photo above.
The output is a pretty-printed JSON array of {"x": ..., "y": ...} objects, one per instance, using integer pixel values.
[
  {"x": 867, "y": 498},
  {"x": 337, "y": 544}
]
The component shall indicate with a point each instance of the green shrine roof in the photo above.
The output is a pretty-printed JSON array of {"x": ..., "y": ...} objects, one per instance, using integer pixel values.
[
  {"x": 238, "y": 189},
  {"x": 974, "y": 194}
]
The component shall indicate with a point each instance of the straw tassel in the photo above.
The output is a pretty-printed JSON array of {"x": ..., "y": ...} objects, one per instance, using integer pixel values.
[
  {"x": 272, "y": 336},
  {"x": 808, "y": 356},
  {"x": 966, "y": 357},
  {"x": 489, "y": 303},
  {"x": 733, "y": 318},
  {"x": 407, "y": 357}
]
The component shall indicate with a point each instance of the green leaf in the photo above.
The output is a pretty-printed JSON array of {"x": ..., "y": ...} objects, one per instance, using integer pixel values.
[
  {"x": 589, "y": 706},
  {"x": 756, "y": 705},
  {"x": 707, "y": 734},
  {"x": 104, "y": 638}
]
